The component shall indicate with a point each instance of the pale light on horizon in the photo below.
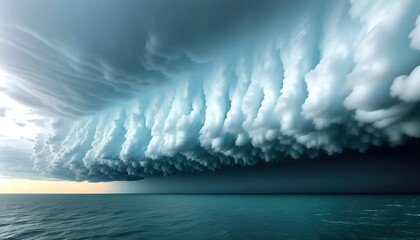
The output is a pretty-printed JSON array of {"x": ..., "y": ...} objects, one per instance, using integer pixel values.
[{"x": 22, "y": 186}]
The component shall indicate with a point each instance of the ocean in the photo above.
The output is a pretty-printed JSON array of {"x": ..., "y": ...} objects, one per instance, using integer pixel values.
[{"x": 202, "y": 216}]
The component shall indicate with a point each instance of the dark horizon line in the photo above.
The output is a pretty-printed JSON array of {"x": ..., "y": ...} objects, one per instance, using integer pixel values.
[{"x": 239, "y": 193}]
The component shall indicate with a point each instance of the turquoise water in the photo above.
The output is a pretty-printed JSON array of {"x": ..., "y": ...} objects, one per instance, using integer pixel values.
[{"x": 209, "y": 217}]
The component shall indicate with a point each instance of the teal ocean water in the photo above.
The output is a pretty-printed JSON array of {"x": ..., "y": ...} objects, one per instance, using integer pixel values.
[{"x": 209, "y": 217}]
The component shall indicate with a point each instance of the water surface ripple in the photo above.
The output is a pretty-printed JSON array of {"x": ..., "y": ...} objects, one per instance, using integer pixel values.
[{"x": 209, "y": 217}]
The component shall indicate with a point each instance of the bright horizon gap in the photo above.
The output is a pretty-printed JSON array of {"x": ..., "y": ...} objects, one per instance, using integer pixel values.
[{"x": 25, "y": 186}]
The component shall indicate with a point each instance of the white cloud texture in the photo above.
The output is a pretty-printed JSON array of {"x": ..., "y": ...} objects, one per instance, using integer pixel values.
[
  {"x": 202, "y": 87},
  {"x": 415, "y": 35},
  {"x": 407, "y": 88}
]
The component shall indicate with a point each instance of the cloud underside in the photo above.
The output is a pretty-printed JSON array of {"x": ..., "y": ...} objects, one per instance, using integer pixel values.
[
  {"x": 16, "y": 162},
  {"x": 312, "y": 77}
]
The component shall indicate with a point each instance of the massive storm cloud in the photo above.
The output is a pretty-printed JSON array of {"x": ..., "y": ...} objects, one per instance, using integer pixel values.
[{"x": 157, "y": 87}]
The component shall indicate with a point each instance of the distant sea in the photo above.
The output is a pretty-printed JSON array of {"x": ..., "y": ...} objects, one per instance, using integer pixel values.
[{"x": 201, "y": 216}]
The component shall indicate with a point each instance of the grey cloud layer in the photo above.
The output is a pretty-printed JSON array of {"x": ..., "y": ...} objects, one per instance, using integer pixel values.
[
  {"x": 3, "y": 111},
  {"x": 16, "y": 162},
  {"x": 86, "y": 56},
  {"x": 198, "y": 89}
]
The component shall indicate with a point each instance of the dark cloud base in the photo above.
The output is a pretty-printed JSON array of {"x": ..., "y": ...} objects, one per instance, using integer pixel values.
[{"x": 378, "y": 170}]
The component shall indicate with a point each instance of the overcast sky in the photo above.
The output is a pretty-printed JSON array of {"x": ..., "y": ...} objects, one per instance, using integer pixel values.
[{"x": 105, "y": 91}]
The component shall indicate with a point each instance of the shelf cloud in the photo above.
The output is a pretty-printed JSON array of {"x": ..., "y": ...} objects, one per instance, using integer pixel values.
[{"x": 156, "y": 87}]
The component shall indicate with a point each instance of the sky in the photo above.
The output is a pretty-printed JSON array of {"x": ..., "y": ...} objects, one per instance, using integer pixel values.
[{"x": 129, "y": 96}]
